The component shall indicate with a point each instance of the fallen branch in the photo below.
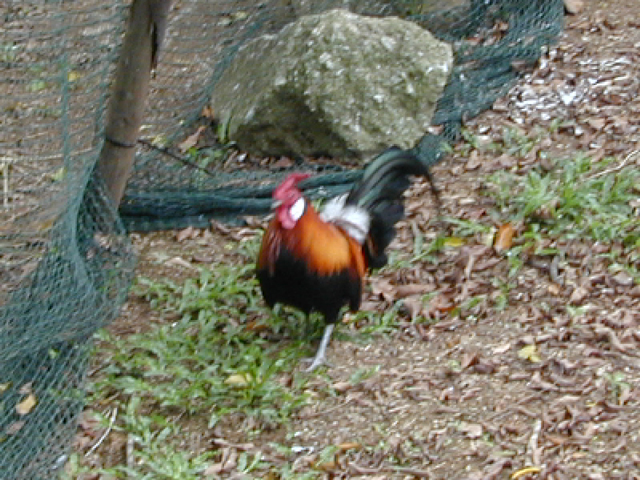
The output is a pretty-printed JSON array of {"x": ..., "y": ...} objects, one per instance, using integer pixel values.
[
  {"x": 616, "y": 168},
  {"x": 112, "y": 421}
]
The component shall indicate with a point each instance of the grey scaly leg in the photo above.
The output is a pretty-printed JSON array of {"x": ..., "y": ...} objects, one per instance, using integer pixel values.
[{"x": 321, "y": 354}]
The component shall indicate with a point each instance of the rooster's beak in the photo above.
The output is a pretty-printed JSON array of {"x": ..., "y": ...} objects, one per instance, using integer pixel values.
[{"x": 276, "y": 204}]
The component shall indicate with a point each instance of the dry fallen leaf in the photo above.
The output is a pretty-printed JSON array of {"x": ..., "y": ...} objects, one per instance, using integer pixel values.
[
  {"x": 501, "y": 348},
  {"x": 414, "y": 306},
  {"x": 453, "y": 242},
  {"x": 230, "y": 459},
  {"x": 343, "y": 447},
  {"x": 578, "y": 295},
  {"x": 207, "y": 112},
  {"x": 484, "y": 366},
  {"x": 504, "y": 238},
  {"x": 89, "y": 422},
  {"x": 623, "y": 278},
  {"x": 255, "y": 326},
  {"x": 471, "y": 430},
  {"x": 180, "y": 262},
  {"x": 220, "y": 227},
  {"x": 228, "y": 462},
  {"x": 27, "y": 404},
  {"x": 474, "y": 161},
  {"x": 469, "y": 359},
  {"x": 26, "y": 388},
  {"x": 326, "y": 466},
  {"x": 525, "y": 471},
  {"x": 213, "y": 470},
  {"x": 596, "y": 123},
  {"x": 403, "y": 291},
  {"x": 202, "y": 258},
  {"x": 529, "y": 352},
  {"x": 191, "y": 140},
  {"x": 383, "y": 288},
  {"x": 238, "y": 379},
  {"x": 15, "y": 427},
  {"x": 342, "y": 386},
  {"x": 186, "y": 233},
  {"x": 554, "y": 289},
  {"x": 284, "y": 162},
  {"x": 557, "y": 439}
]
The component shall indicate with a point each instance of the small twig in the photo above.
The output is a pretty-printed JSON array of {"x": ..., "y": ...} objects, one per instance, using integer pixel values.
[
  {"x": 365, "y": 470},
  {"x": 614, "y": 340},
  {"x": 323, "y": 412},
  {"x": 129, "y": 452},
  {"x": 534, "y": 451},
  {"x": 524, "y": 411},
  {"x": 630, "y": 361},
  {"x": 412, "y": 471},
  {"x": 553, "y": 270},
  {"x": 389, "y": 468},
  {"x": 446, "y": 409},
  {"x": 112, "y": 421},
  {"x": 180, "y": 159},
  {"x": 221, "y": 442},
  {"x": 616, "y": 168},
  {"x": 5, "y": 166},
  {"x": 470, "y": 264}
]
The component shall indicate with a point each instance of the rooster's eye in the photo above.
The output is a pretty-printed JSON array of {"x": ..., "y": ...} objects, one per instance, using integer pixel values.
[{"x": 297, "y": 209}]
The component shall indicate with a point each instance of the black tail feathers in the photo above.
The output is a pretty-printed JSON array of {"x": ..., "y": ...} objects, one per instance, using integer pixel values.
[{"x": 380, "y": 191}]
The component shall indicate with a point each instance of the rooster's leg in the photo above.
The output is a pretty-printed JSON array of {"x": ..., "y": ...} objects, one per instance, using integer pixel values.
[{"x": 321, "y": 354}]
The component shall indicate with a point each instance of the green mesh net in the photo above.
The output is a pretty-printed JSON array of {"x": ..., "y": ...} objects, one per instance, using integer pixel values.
[{"x": 65, "y": 261}]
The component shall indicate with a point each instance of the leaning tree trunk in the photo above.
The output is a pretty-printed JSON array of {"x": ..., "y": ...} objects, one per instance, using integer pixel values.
[{"x": 147, "y": 24}]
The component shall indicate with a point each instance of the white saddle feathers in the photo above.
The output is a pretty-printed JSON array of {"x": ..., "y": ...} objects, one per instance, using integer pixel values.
[{"x": 353, "y": 220}]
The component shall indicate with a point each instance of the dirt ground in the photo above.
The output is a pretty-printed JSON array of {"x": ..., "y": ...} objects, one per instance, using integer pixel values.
[{"x": 454, "y": 399}]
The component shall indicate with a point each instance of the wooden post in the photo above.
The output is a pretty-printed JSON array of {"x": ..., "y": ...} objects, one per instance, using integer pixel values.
[{"x": 145, "y": 31}]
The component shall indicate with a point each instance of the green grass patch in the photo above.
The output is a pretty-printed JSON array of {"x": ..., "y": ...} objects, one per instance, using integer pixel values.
[
  {"x": 573, "y": 200},
  {"x": 220, "y": 358},
  {"x": 216, "y": 362},
  {"x": 578, "y": 199}
]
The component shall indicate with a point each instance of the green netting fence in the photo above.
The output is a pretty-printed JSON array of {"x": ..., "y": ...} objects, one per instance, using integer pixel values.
[{"x": 65, "y": 260}]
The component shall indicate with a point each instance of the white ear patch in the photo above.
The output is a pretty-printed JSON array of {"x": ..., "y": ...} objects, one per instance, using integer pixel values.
[{"x": 297, "y": 209}]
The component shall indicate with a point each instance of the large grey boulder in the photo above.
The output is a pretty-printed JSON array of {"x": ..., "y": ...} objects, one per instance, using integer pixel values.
[
  {"x": 335, "y": 84},
  {"x": 375, "y": 7}
]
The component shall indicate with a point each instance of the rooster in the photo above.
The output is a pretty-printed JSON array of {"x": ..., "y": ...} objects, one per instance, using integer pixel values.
[{"x": 318, "y": 261}]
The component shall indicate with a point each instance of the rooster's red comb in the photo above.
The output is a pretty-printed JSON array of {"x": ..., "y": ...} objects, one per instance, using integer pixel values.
[{"x": 290, "y": 182}]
